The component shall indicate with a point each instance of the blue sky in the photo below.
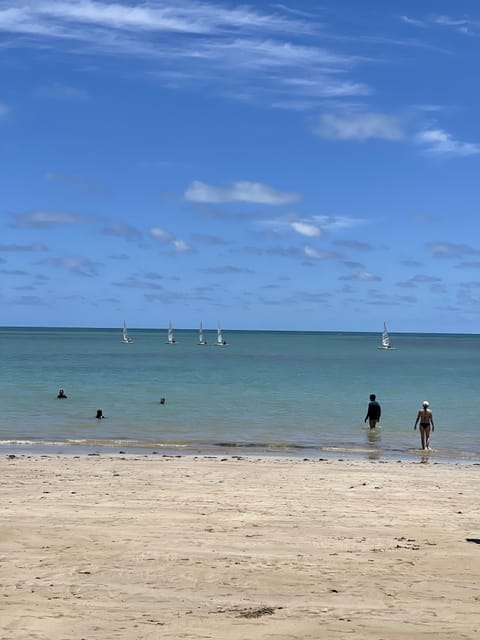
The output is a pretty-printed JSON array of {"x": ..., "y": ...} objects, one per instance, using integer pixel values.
[{"x": 301, "y": 165}]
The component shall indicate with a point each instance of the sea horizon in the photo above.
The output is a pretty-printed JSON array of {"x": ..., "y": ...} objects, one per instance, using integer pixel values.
[{"x": 213, "y": 328}]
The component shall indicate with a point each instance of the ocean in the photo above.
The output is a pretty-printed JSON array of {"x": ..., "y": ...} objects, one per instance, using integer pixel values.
[{"x": 295, "y": 393}]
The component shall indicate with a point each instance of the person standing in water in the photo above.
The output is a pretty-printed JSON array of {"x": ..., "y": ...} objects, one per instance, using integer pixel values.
[
  {"x": 374, "y": 411},
  {"x": 425, "y": 417}
]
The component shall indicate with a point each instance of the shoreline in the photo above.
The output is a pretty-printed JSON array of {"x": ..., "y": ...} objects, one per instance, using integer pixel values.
[
  {"x": 272, "y": 397},
  {"x": 351, "y": 453},
  {"x": 124, "y": 546}
]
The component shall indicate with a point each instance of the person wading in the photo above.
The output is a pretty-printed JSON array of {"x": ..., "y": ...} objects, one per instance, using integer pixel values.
[
  {"x": 425, "y": 417},
  {"x": 374, "y": 412}
]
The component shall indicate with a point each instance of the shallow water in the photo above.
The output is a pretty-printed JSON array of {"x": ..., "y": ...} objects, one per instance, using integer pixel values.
[{"x": 301, "y": 393}]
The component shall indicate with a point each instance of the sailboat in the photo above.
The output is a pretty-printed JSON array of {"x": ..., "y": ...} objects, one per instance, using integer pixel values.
[
  {"x": 126, "y": 338},
  {"x": 170, "y": 338},
  {"x": 221, "y": 342},
  {"x": 201, "y": 341},
  {"x": 385, "y": 339}
]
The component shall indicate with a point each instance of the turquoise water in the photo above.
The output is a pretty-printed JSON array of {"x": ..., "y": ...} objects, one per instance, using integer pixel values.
[{"x": 304, "y": 393}]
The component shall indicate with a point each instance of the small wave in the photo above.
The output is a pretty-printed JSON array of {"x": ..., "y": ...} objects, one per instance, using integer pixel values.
[
  {"x": 346, "y": 450},
  {"x": 20, "y": 442},
  {"x": 266, "y": 445}
]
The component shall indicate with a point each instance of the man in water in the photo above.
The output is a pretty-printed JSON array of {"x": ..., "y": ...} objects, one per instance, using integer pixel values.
[
  {"x": 61, "y": 394},
  {"x": 425, "y": 416},
  {"x": 374, "y": 412}
]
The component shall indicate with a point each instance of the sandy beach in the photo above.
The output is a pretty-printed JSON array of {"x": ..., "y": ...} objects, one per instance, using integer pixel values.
[{"x": 232, "y": 547}]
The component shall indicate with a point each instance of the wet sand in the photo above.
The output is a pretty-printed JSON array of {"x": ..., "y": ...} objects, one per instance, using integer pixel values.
[{"x": 232, "y": 547}]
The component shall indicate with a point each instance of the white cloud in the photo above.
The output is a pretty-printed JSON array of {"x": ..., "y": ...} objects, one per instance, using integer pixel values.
[
  {"x": 447, "y": 21},
  {"x": 306, "y": 229},
  {"x": 47, "y": 219},
  {"x": 316, "y": 254},
  {"x": 322, "y": 86},
  {"x": 297, "y": 12},
  {"x": 252, "y": 53},
  {"x": 450, "y": 250},
  {"x": 461, "y": 25},
  {"x": 186, "y": 17},
  {"x": 181, "y": 246},
  {"x": 414, "y": 22},
  {"x": 333, "y": 223},
  {"x": 244, "y": 52},
  {"x": 251, "y": 192},
  {"x": 366, "y": 126},
  {"x": 4, "y": 110},
  {"x": 360, "y": 127},
  {"x": 438, "y": 142},
  {"x": 314, "y": 226},
  {"x": 157, "y": 233},
  {"x": 118, "y": 16},
  {"x": 78, "y": 265},
  {"x": 81, "y": 19},
  {"x": 363, "y": 276},
  {"x": 162, "y": 235}
]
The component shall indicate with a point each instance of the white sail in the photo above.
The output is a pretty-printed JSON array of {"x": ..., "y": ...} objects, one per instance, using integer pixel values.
[
  {"x": 170, "y": 338},
  {"x": 221, "y": 342},
  {"x": 386, "y": 344},
  {"x": 200, "y": 336},
  {"x": 126, "y": 338},
  {"x": 385, "y": 337}
]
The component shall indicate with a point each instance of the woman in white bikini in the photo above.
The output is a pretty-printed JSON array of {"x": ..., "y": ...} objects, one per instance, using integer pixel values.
[{"x": 425, "y": 417}]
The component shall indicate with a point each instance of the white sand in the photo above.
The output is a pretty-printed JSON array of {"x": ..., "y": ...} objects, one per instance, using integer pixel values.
[{"x": 173, "y": 548}]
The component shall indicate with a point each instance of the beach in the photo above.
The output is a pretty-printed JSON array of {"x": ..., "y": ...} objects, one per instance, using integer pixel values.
[{"x": 237, "y": 547}]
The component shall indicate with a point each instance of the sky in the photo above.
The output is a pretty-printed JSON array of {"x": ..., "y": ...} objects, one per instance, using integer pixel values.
[{"x": 300, "y": 165}]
